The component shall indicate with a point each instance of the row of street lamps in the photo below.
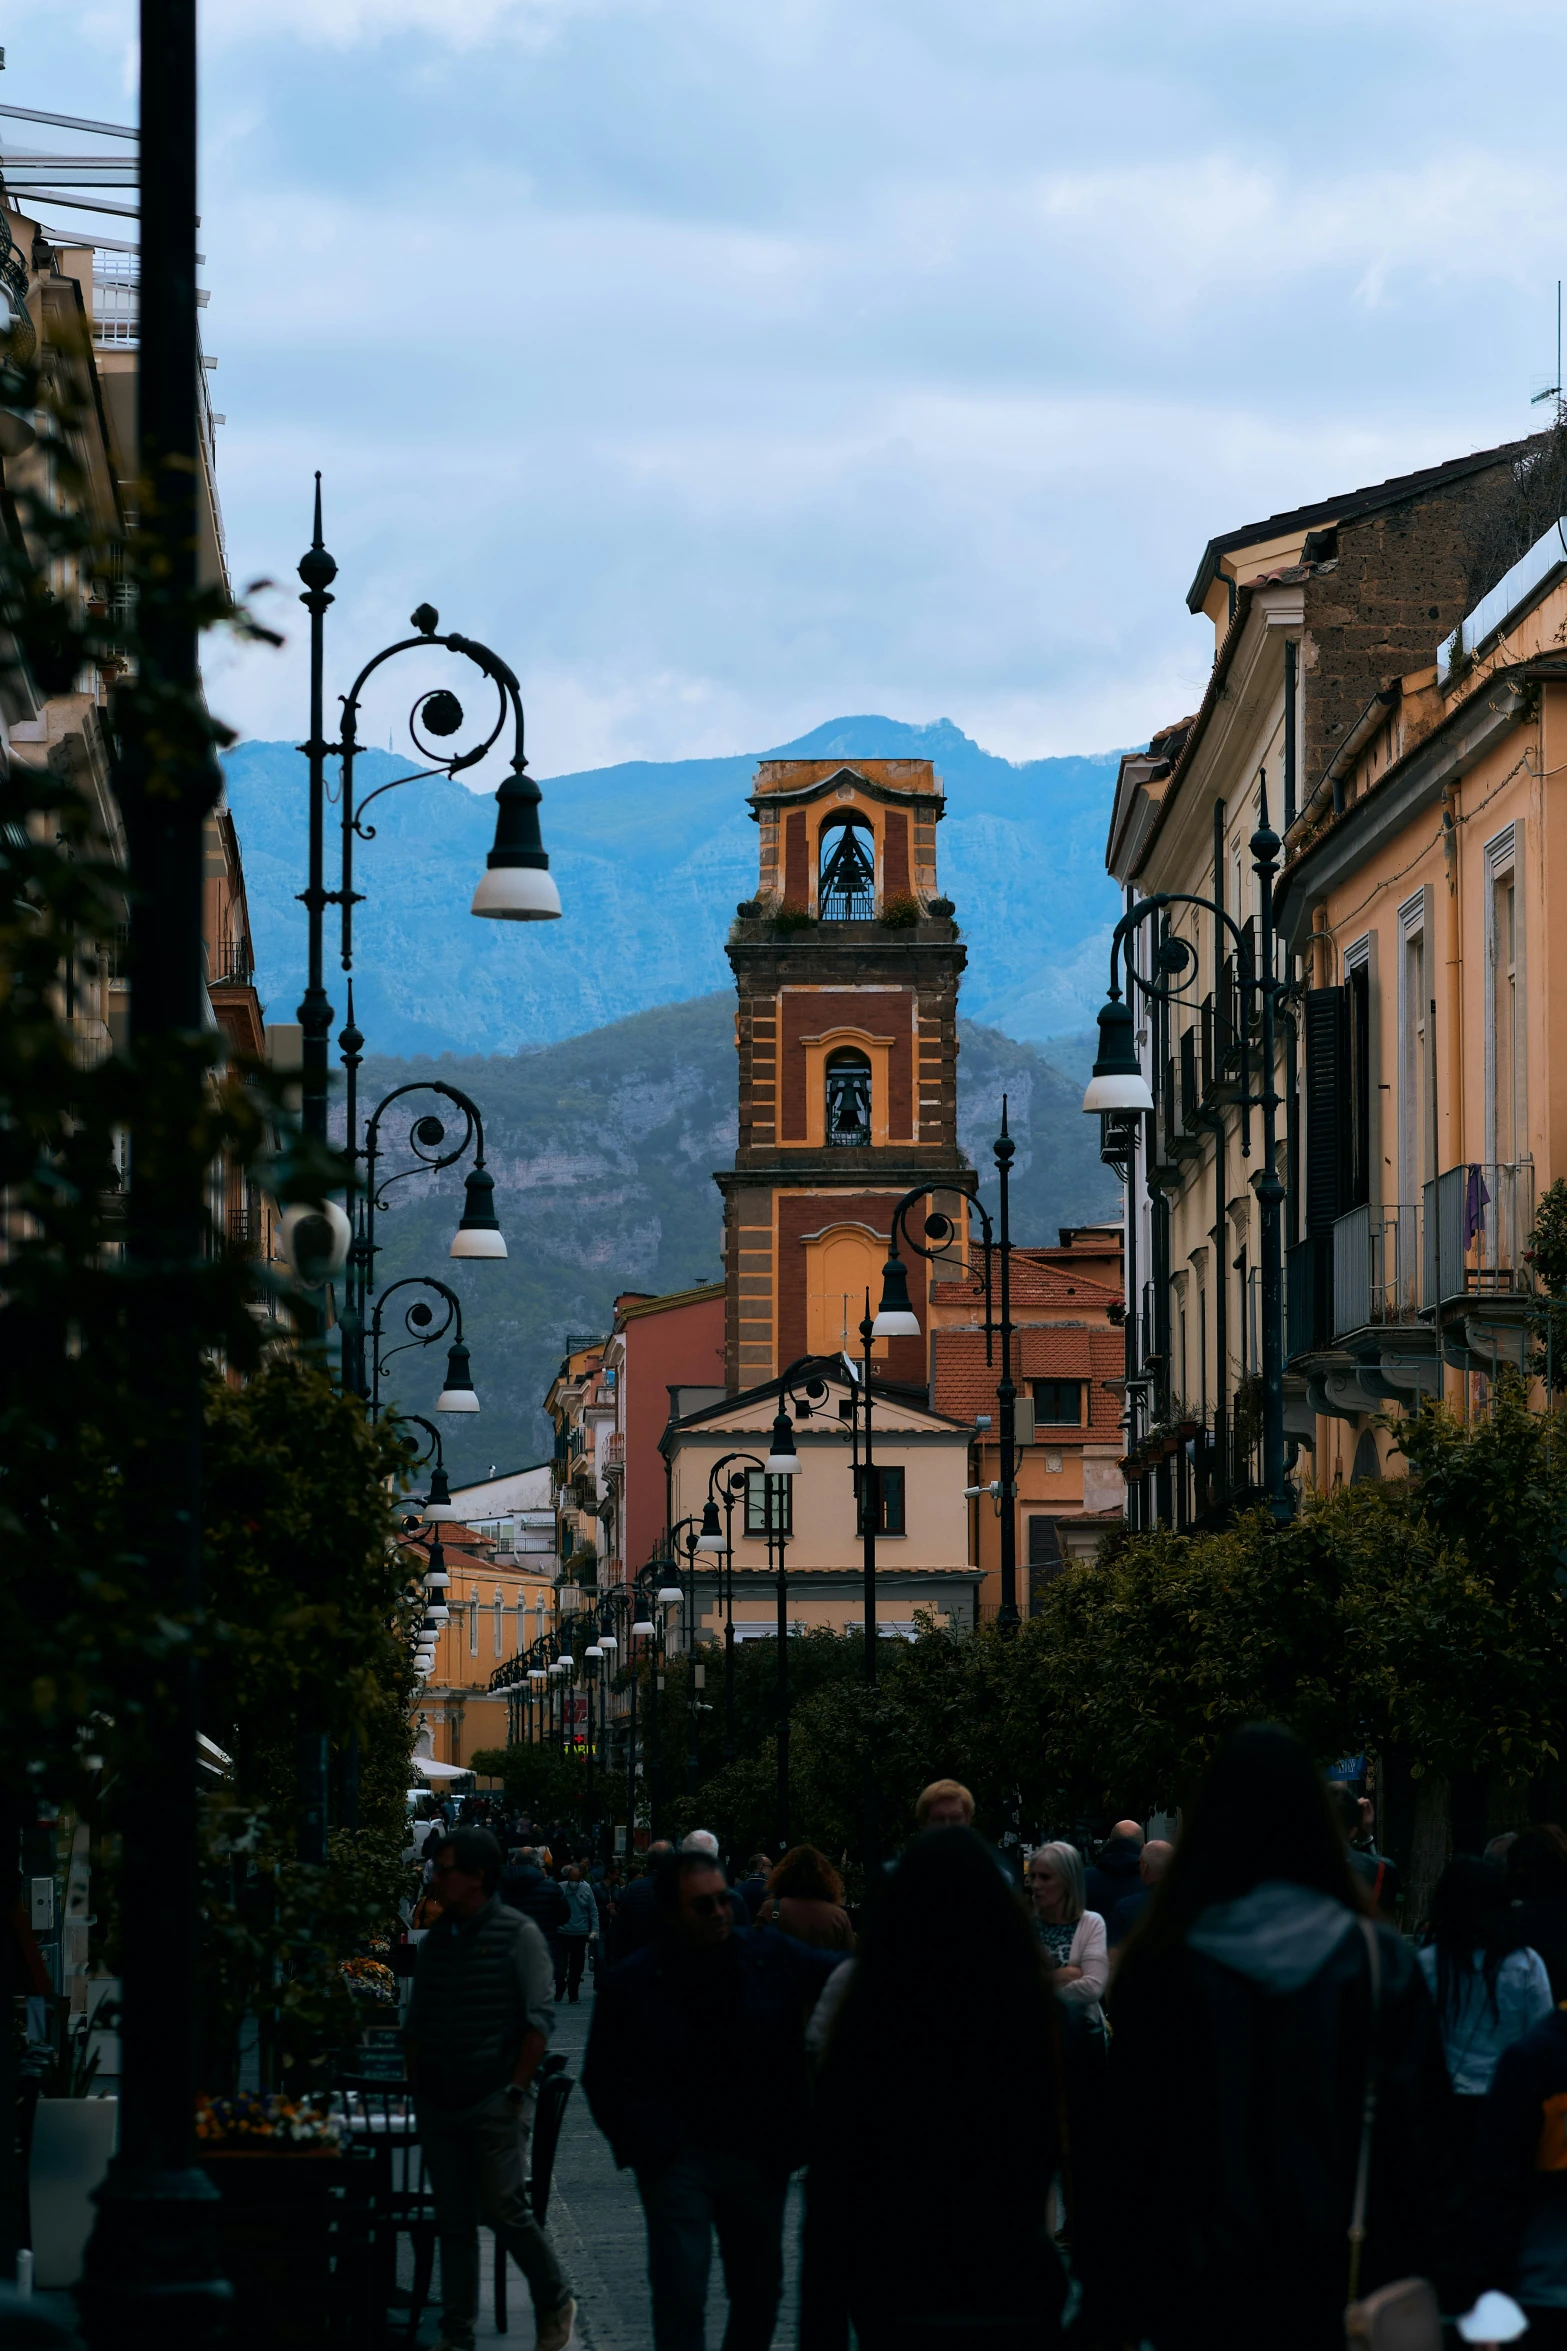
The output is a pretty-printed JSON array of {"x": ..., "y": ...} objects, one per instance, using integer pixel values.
[
  {"x": 803, "y": 1385},
  {"x": 1118, "y": 1089},
  {"x": 517, "y": 887}
]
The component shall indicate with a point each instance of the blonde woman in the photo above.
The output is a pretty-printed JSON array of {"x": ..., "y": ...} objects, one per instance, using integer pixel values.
[{"x": 1074, "y": 1938}]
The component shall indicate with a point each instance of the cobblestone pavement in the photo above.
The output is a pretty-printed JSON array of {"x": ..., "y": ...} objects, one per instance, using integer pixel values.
[{"x": 595, "y": 2220}]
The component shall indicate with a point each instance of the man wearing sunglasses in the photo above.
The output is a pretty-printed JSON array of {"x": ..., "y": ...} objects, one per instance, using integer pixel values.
[{"x": 695, "y": 2073}]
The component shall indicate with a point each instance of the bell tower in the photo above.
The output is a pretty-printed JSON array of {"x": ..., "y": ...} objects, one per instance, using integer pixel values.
[{"x": 846, "y": 964}]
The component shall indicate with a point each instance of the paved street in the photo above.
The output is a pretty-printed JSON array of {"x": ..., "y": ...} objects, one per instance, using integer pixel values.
[{"x": 596, "y": 2222}]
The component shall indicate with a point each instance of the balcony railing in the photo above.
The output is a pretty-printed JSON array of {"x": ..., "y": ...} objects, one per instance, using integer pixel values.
[
  {"x": 233, "y": 963},
  {"x": 615, "y": 1449},
  {"x": 1478, "y": 1222}
]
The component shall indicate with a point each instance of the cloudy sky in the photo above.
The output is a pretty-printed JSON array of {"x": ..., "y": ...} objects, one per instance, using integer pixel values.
[{"x": 735, "y": 364}]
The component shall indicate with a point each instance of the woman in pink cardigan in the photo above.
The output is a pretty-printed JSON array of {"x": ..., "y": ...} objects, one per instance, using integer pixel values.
[{"x": 1076, "y": 1952}]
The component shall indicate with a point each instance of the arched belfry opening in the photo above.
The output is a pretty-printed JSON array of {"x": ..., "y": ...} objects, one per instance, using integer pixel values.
[
  {"x": 848, "y": 1076},
  {"x": 846, "y": 886}
]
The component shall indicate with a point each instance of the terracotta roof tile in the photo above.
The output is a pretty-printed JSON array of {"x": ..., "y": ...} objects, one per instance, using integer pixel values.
[
  {"x": 1037, "y": 1280},
  {"x": 964, "y": 1384}
]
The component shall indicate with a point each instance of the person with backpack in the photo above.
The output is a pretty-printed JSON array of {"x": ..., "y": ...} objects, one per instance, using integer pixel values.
[{"x": 1254, "y": 2012}]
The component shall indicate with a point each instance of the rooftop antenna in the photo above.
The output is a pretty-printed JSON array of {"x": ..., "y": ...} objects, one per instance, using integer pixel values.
[{"x": 1554, "y": 391}]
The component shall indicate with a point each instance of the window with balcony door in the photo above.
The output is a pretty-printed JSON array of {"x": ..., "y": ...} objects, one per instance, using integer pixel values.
[
  {"x": 1414, "y": 1048},
  {"x": 1506, "y": 1038}
]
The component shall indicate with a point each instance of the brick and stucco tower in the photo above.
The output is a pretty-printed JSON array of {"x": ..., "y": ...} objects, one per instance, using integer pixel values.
[{"x": 847, "y": 964}]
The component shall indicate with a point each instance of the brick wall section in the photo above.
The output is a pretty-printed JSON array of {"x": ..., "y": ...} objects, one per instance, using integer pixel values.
[
  {"x": 1402, "y": 581},
  {"x": 809, "y": 1013},
  {"x": 895, "y": 856},
  {"x": 797, "y": 860}
]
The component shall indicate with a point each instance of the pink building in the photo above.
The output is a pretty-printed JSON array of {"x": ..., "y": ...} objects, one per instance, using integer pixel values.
[{"x": 664, "y": 1355}]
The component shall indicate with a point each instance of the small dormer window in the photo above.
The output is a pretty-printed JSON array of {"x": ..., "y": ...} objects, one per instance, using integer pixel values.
[
  {"x": 848, "y": 1097},
  {"x": 846, "y": 891}
]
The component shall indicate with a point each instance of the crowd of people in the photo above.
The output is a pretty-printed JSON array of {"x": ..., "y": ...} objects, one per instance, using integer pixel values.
[{"x": 1194, "y": 2092}]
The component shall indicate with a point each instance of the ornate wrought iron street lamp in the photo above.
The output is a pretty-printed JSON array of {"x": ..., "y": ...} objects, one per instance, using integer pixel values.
[
  {"x": 419, "y": 1320},
  {"x": 1118, "y": 1086}
]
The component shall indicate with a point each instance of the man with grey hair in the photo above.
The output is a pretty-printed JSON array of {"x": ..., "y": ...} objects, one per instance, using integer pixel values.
[
  {"x": 700, "y": 1841},
  {"x": 1156, "y": 1859},
  {"x": 478, "y": 2025}
]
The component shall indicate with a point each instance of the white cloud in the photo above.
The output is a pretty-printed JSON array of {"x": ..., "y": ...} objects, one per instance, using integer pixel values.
[{"x": 730, "y": 367}]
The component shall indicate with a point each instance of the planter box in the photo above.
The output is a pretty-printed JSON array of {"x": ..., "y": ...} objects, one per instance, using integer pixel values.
[
  {"x": 73, "y": 2139},
  {"x": 275, "y": 2235}
]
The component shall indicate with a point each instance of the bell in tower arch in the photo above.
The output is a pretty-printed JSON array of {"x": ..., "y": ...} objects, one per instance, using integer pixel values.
[{"x": 846, "y": 891}]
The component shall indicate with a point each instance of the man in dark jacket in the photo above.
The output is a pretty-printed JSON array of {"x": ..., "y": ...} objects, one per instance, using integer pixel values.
[
  {"x": 706, "y": 2006},
  {"x": 635, "y": 1913},
  {"x": 478, "y": 2025},
  {"x": 1116, "y": 1871},
  {"x": 525, "y": 1887}
]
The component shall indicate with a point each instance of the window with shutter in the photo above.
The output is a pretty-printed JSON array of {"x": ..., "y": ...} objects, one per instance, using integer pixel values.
[{"x": 1324, "y": 1106}]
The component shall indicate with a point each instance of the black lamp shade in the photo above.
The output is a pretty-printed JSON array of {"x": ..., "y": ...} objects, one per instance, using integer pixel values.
[
  {"x": 782, "y": 1459},
  {"x": 1118, "y": 1082},
  {"x": 895, "y": 1317},
  {"x": 458, "y": 1393},
  {"x": 479, "y": 1232}
]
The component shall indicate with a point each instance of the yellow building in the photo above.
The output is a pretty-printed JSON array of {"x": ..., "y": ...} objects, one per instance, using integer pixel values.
[
  {"x": 499, "y": 1603},
  {"x": 1416, "y": 898},
  {"x": 1315, "y": 615}
]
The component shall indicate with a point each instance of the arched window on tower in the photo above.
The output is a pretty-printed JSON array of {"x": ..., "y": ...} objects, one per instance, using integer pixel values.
[
  {"x": 846, "y": 890},
  {"x": 848, "y": 1097}
]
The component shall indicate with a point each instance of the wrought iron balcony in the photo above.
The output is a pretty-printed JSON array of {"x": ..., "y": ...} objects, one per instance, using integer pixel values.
[{"x": 1478, "y": 1221}]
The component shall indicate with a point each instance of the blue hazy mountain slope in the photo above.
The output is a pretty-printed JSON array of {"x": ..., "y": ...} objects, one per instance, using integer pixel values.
[
  {"x": 651, "y": 860},
  {"x": 603, "y": 1149}
]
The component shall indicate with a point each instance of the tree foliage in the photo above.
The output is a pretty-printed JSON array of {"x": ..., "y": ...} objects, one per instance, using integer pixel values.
[
  {"x": 311, "y": 1602},
  {"x": 1424, "y": 1615}
]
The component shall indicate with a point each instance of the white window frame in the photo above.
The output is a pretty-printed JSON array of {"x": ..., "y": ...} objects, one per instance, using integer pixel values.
[
  {"x": 1416, "y": 920},
  {"x": 1503, "y": 861}
]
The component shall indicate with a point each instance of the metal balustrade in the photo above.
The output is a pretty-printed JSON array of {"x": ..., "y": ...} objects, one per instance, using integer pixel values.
[{"x": 1478, "y": 1221}]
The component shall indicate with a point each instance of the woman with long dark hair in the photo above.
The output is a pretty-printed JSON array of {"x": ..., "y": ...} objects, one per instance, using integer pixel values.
[
  {"x": 1244, "y": 2024},
  {"x": 936, "y": 2137},
  {"x": 1489, "y": 1987}
]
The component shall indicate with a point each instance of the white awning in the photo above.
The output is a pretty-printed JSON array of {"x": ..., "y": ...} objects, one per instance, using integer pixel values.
[{"x": 440, "y": 1771}]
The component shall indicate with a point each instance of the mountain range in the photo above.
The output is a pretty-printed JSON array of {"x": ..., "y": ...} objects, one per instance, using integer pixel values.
[
  {"x": 651, "y": 859},
  {"x": 603, "y": 1149}
]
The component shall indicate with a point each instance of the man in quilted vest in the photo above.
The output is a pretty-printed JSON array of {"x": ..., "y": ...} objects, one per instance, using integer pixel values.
[{"x": 478, "y": 2026}]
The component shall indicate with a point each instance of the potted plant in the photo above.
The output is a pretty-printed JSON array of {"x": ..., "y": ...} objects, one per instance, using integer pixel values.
[
  {"x": 275, "y": 2162},
  {"x": 73, "y": 2137}
]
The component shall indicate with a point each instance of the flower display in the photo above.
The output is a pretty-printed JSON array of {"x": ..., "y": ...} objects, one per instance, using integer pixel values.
[
  {"x": 371, "y": 1979},
  {"x": 265, "y": 2119}
]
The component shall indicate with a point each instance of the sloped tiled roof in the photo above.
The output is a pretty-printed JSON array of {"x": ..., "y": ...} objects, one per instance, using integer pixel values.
[
  {"x": 1039, "y": 1278},
  {"x": 965, "y": 1384}
]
